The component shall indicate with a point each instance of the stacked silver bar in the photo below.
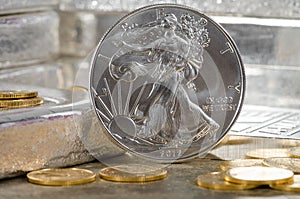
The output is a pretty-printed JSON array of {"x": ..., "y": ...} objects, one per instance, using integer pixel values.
[{"x": 48, "y": 44}]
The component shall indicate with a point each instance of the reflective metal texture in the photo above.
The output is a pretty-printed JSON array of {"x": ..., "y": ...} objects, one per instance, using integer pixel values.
[
  {"x": 49, "y": 135},
  {"x": 28, "y": 38},
  {"x": 78, "y": 33},
  {"x": 17, "y": 6},
  {"x": 266, "y": 8},
  {"x": 167, "y": 83}
]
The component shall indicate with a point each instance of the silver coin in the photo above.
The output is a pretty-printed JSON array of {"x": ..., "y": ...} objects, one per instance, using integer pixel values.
[{"x": 167, "y": 82}]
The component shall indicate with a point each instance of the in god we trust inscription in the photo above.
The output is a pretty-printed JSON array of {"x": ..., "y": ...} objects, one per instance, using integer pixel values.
[{"x": 156, "y": 78}]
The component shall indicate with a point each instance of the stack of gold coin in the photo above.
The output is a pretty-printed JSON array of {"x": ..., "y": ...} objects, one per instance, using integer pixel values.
[
  {"x": 10, "y": 99},
  {"x": 249, "y": 177},
  {"x": 216, "y": 180},
  {"x": 259, "y": 175}
]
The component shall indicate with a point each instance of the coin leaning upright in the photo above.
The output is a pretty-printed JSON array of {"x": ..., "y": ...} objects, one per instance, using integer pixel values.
[{"x": 167, "y": 83}]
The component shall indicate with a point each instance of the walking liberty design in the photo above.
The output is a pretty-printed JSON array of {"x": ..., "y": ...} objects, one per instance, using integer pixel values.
[{"x": 169, "y": 53}]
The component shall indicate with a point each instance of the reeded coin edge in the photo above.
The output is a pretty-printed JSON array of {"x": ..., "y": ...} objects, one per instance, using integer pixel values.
[
  {"x": 18, "y": 94},
  {"x": 286, "y": 187},
  {"x": 120, "y": 178},
  {"x": 21, "y": 103},
  {"x": 39, "y": 181}
]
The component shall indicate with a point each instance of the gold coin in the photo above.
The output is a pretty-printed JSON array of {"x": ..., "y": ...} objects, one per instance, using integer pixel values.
[
  {"x": 216, "y": 181},
  {"x": 17, "y": 94},
  {"x": 294, "y": 152},
  {"x": 295, "y": 186},
  {"x": 229, "y": 164},
  {"x": 77, "y": 88},
  {"x": 61, "y": 177},
  {"x": 132, "y": 173},
  {"x": 292, "y": 164},
  {"x": 21, "y": 103},
  {"x": 268, "y": 153},
  {"x": 259, "y": 175}
]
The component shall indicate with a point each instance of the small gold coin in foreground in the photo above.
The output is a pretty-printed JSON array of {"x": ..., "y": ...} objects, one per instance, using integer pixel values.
[
  {"x": 132, "y": 173},
  {"x": 61, "y": 177},
  {"x": 21, "y": 103},
  {"x": 229, "y": 164},
  {"x": 268, "y": 153},
  {"x": 259, "y": 175},
  {"x": 216, "y": 181},
  {"x": 17, "y": 94},
  {"x": 292, "y": 164},
  {"x": 295, "y": 186},
  {"x": 294, "y": 152}
]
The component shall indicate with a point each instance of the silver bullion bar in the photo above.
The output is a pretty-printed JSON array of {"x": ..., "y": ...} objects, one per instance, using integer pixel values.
[
  {"x": 49, "y": 135},
  {"x": 267, "y": 8},
  {"x": 28, "y": 38},
  {"x": 273, "y": 86},
  {"x": 81, "y": 31},
  {"x": 78, "y": 33},
  {"x": 17, "y": 6},
  {"x": 267, "y": 41}
]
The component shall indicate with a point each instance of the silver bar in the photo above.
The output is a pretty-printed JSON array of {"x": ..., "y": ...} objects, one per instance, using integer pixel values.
[
  {"x": 59, "y": 74},
  {"x": 258, "y": 8},
  {"x": 17, "y": 6},
  {"x": 265, "y": 41},
  {"x": 28, "y": 38},
  {"x": 78, "y": 33},
  {"x": 64, "y": 131}
]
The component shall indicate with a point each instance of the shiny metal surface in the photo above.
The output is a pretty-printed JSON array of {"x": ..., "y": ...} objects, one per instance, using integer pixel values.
[
  {"x": 167, "y": 83},
  {"x": 264, "y": 41},
  {"x": 49, "y": 135},
  {"x": 17, "y": 6},
  {"x": 78, "y": 33},
  {"x": 58, "y": 74},
  {"x": 28, "y": 38},
  {"x": 266, "y": 8}
]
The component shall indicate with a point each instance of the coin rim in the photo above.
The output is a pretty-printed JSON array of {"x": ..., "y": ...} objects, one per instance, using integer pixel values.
[
  {"x": 17, "y": 94},
  {"x": 39, "y": 181},
  {"x": 21, "y": 103},
  {"x": 292, "y": 154},
  {"x": 225, "y": 167},
  {"x": 118, "y": 178},
  {"x": 230, "y": 178},
  {"x": 289, "y": 168},
  {"x": 260, "y": 157},
  {"x": 230, "y": 186},
  {"x": 285, "y": 187}
]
